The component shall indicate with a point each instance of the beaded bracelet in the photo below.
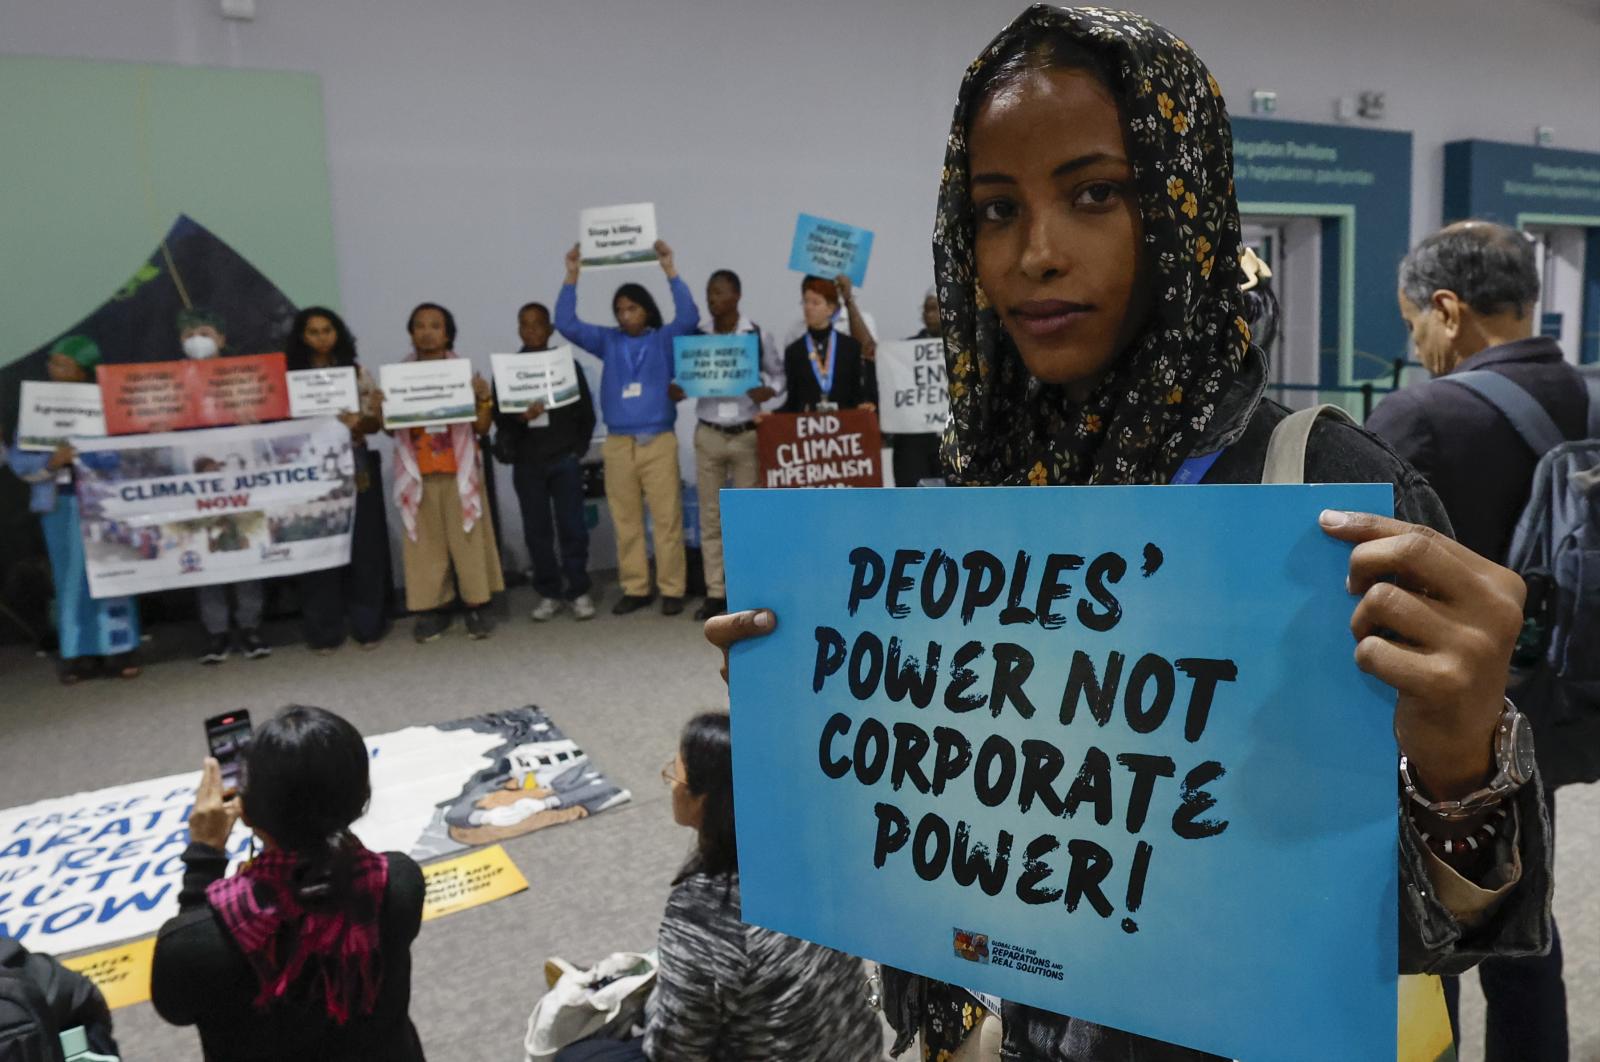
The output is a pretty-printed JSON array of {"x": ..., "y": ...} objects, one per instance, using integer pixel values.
[{"x": 1459, "y": 846}]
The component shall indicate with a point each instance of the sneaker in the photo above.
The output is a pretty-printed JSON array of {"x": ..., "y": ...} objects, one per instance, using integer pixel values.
[
  {"x": 429, "y": 626},
  {"x": 630, "y": 603},
  {"x": 583, "y": 607},
  {"x": 545, "y": 610},
  {"x": 671, "y": 606},
  {"x": 252, "y": 646},
  {"x": 478, "y": 624},
  {"x": 712, "y": 606},
  {"x": 217, "y": 651}
]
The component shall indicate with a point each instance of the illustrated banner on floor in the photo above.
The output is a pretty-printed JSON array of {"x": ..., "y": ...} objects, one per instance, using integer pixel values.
[
  {"x": 1074, "y": 747},
  {"x": 216, "y": 506},
  {"x": 89, "y": 870},
  {"x": 838, "y": 449}
]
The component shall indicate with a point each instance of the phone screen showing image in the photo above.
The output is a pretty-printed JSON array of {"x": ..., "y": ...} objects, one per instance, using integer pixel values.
[{"x": 227, "y": 736}]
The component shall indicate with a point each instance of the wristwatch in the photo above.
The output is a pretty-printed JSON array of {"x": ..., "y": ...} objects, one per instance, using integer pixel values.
[{"x": 1514, "y": 765}]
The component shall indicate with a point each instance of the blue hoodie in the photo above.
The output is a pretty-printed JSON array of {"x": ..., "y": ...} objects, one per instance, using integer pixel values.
[{"x": 645, "y": 360}]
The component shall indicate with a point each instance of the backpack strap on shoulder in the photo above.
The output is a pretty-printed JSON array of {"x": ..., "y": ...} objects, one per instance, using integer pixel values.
[
  {"x": 1286, "y": 450},
  {"x": 1591, "y": 383},
  {"x": 1516, "y": 405}
]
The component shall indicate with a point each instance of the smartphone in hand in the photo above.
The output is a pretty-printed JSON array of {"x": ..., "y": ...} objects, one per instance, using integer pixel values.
[{"x": 227, "y": 736}]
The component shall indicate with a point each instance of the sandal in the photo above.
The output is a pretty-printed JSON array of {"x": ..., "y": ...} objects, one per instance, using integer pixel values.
[{"x": 130, "y": 667}]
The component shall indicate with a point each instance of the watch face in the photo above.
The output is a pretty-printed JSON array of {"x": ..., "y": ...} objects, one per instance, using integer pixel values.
[{"x": 1520, "y": 765}]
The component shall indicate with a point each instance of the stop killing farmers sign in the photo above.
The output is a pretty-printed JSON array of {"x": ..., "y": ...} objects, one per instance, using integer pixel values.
[{"x": 1100, "y": 750}]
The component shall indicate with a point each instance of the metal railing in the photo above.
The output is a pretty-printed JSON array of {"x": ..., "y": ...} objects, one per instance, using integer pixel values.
[{"x": 1369, "y": 390}]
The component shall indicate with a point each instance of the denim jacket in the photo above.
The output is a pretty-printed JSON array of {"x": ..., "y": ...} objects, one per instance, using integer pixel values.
[
  {"x": 32, "y": 468},
  {"x": 1432, "y": 939}
]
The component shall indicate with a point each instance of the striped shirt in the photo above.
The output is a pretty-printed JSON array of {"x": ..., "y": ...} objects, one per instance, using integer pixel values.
[{"x": 731, "y": 992}]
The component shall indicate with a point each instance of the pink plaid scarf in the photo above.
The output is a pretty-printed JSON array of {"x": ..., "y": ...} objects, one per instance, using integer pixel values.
[{"x": 283, "y": 940}]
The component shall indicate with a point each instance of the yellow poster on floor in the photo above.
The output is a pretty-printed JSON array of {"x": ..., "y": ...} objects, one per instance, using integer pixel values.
[
  {"x": 470, "y": 880},
  {"x": 1424, "y": 1021},
  {"x": 122, "y": 973}
]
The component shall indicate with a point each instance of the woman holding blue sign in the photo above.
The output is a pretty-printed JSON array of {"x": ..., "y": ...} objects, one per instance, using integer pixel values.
[
  {"x": 1086, "y": 254},
  {"x": 641, "y": 447}
]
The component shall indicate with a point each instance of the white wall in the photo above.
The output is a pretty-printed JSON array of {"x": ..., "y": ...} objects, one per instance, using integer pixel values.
[{"x": 463, "y": 136}]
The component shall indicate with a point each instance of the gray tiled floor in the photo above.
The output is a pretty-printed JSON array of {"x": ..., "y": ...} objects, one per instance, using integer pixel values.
[{"x": 622, "y": 687}]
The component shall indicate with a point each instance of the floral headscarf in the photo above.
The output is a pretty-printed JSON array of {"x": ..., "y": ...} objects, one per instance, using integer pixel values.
[{"x": 1145, "y": 415}]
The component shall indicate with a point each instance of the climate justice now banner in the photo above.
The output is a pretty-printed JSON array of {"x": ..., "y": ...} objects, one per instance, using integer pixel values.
[
  {"x": 217, "y": 506},
  {"x": 1100, "y": 750}
]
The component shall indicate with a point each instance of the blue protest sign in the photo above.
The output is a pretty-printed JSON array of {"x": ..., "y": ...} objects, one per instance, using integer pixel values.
[
  {"x": 827, "y": 248},
  {"x": 1101, "y": 750},
  {"x": 717, "y": 366}
]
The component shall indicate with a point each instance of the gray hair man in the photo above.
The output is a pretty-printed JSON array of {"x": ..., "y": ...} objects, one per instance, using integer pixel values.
[{"x": 1469, "y": 295}]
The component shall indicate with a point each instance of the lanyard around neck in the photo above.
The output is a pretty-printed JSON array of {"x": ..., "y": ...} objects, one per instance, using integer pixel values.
[{"x": 822, "y": 369}]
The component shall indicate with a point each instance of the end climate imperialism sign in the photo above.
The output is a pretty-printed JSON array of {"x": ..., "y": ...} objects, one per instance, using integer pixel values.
[
  {"x": 838, "y": 449},
  {"x": 172, "y": 395},
  {"x": 827, "y": 248},
  {"x": 1099, "y": 750}
]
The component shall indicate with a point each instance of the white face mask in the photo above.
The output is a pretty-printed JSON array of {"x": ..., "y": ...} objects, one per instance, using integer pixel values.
[{"x": 200, "y": 347}]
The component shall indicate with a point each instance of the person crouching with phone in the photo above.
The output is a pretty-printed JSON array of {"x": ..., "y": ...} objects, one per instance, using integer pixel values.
[{"x": 305, "y": 953}]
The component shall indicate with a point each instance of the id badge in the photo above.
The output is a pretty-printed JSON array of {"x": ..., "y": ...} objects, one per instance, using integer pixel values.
[
  {"x": 728, "y": 411},
  {"x": 633, "y": 390}
]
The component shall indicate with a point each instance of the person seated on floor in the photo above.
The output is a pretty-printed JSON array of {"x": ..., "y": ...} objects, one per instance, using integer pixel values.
[
  {"x": 40, "y": 999},
  {"x": 305, "y": 953},
  {"x": 725, "y": 989}
]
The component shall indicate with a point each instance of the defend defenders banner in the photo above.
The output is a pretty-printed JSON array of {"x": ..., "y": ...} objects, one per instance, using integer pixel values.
[
  {"x": 88, "y": 870},
  {"x": 153, "y": 396},
  {"x": 842, "y": 448},
  {"x": 913, "y": 398},
  {"x": 1063, "y": 746},
  {"x": 216, "y": 506}
]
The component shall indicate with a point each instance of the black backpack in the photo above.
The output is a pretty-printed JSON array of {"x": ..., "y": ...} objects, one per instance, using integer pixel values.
[
  {"x": 25, "y": 1034},
  {"x": 1555, "y": 675}
]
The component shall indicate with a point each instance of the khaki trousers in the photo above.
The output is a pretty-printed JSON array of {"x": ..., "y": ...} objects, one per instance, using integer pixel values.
[
  {"x": 442, "y": 545},
  {"x": 642, "y": 470},
  {"x": 720, "y": 457}
]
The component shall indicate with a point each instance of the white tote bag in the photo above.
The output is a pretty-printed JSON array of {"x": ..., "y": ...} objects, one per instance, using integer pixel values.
[{"x": 605, "y": 1001}]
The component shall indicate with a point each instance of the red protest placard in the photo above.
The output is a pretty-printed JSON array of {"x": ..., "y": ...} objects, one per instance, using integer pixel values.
[
  {"x": 173, "y": 395},
  {"x": 146, "y": 397},
  {"x": 243, "y": 390},
  {"x": 837, "y": 449}
]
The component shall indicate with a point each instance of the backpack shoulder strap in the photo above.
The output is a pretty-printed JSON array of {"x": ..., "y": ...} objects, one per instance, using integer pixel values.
[
  {"x": 1286, "y": 450},
  {"x": 1516, "y": 405},
  {"x": 1591, "y": 383}
]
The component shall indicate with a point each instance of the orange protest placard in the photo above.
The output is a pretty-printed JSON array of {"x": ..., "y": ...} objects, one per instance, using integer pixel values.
[{"x": 173, "y": 395}]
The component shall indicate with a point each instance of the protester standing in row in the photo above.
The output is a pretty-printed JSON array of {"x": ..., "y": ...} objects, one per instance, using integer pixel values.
[
  {"x": 641, "y": 446},
  {"x": 203, "y": 335},
  {"x": 356, "y": 596},
  {"x": 824, "y": 369},
  {"x": 89, "y": 630},
  {"x": 543, "y": 447},
  {"x": 725, "y": 435},
  {"x": 916, "y": 455},
  {"x": 449, "y": 547}
]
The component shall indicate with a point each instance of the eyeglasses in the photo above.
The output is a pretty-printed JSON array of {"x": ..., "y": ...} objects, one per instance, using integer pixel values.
[{"x": 668, "y": 778}]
